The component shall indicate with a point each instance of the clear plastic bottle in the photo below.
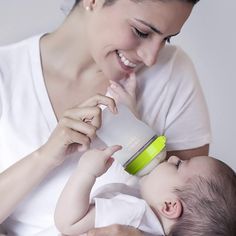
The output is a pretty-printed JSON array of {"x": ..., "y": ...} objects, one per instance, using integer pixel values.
[{"x": 142, "y": 148}]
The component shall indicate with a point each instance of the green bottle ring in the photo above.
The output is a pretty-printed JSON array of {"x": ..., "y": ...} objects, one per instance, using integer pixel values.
[{"x": 146, "y": 156}]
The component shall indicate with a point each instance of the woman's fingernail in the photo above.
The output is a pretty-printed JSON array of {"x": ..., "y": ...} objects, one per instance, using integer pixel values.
[
  {"x": 113, "y": 82},
  {"x": 115, "y": 110},
  {"x": 113, "y": 86}
]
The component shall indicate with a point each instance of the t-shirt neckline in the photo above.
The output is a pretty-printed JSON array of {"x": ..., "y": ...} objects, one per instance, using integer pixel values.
[{"x": 40, "y": 86}]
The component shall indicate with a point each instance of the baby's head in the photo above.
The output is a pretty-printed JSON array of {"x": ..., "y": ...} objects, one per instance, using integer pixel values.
[{"x": 195, "y": 197}]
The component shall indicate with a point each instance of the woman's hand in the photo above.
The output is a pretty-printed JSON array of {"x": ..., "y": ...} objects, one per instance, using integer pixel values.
[
  {"x": 125, "y": 93},
  {"x": 114, "y": 230},
  {"x": 76, "y": 129}
]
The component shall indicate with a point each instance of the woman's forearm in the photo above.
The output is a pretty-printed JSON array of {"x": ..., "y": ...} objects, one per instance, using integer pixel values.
[{"x": 19, "y": 180}]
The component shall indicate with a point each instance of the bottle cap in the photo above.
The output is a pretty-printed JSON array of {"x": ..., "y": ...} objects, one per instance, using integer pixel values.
[{"x": 146, "y": 156}]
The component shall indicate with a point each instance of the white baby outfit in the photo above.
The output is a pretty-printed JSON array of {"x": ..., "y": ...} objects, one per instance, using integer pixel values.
[{"x": 118, "y": 203}]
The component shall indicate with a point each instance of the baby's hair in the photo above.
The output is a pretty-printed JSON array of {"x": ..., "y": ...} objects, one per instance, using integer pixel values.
[{"x": 209, "y": 205}]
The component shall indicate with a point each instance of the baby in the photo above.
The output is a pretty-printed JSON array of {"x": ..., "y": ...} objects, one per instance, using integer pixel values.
[
  {"x": 176, "y": 198},
  {"x": 186, "y": 197}
]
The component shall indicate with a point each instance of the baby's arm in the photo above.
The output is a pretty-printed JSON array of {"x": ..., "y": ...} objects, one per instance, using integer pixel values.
[{"x": 74, "y": 214}]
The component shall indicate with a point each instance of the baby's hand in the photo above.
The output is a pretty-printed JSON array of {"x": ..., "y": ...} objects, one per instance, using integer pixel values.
[
  {"x": 125, "y": 93},
  {"x": 96, "y": 162}
]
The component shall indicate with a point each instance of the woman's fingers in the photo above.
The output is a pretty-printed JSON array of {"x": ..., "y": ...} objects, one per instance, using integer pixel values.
[
  {"x": 69, "y": 136},
  {"x": 77, "y": 141},
  {"x": 118, "y": 92},
  {"x": 90, "y": 115},
  {"x": 100, "y": 100},
  {"x": 79, "y": 126},
  {"x": 125, "y": 93},
  {"x": 89, "y": 111},
  {"x": 130, "y": 84}
]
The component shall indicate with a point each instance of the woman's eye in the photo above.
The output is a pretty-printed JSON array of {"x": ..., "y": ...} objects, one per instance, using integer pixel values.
[
  {"x": 140, "y": 33},
  {"x": 167, "y": 39}
]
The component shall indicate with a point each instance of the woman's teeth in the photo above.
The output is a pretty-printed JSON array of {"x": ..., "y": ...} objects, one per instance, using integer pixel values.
[{"x": 125, "y": 60}]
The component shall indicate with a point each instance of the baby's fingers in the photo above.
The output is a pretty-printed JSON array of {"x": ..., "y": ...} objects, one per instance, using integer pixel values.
[{"x": 109, "y": 151}]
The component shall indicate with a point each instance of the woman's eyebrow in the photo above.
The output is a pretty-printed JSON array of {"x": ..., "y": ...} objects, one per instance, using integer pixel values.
[{"x": 154, "y": 28}]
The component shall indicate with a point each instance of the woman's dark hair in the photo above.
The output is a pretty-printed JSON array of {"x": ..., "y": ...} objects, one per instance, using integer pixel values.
[{"x": 110, "y": 2}]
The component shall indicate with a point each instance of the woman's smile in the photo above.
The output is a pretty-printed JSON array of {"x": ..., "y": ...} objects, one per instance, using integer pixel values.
[{"x": 125, "y": 63}]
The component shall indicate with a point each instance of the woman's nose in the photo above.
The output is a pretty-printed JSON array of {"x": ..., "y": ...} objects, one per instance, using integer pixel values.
[{"x": 148, "y": 52}]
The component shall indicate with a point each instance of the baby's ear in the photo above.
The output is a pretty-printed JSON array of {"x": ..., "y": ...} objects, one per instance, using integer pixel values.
[{"x": 171, "y": 209}]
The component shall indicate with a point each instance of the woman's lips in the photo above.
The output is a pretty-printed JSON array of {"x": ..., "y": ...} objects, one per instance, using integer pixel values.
[{"x": 125, "y": 63}]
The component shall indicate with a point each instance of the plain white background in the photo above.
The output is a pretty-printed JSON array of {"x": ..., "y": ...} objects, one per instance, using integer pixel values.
[{"x": 209, "y": 37}]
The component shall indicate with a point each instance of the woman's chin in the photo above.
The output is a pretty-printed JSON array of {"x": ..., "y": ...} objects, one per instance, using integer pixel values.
[
  {"x": 118, "y": 76},
  {"x": 115, "y": 72}
]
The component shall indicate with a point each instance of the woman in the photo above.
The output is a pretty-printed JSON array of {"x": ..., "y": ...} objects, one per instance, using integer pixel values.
[{"x": 46, "y": 85}]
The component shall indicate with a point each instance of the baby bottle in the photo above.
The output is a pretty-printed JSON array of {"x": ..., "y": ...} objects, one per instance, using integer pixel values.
[{"x": 142, "y": 149}]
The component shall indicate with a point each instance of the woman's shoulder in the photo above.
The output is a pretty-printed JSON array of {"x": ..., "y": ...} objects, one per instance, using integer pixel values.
[
  {"x": 12, "y": 52},
  {"x": 172, "y": 55},
  {"x": 14, "y": 56},
  {"x": 173, "y": 66},
  {"x": 172, "y": 60},
  {"x": 173, "y": 72}
]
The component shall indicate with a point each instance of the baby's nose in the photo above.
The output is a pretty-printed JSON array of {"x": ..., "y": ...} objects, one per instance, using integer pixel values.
[{"x": 173, "y": 159}]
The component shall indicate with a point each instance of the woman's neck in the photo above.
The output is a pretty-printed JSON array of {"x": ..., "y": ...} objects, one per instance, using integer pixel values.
[{"x": 65, "y": 52}]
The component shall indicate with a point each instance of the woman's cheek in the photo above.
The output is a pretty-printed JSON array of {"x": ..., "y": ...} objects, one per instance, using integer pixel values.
[{"x": 129, "y": 40}]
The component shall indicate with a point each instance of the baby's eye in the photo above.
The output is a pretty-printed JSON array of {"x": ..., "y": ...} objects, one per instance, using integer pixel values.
[
  {"x": 141, "y": 34},
  {"x": 179, "y": 162}
]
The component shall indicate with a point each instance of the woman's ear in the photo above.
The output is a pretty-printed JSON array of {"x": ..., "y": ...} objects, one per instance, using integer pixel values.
[
  {"x": 89, "y": 4},
  {"x": 171, "y": 209}
]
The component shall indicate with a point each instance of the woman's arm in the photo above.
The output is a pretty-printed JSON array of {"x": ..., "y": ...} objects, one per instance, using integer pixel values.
[
  {"x": 187, "y": 154},
  {"x": 73, "y": 133},
  {"x": 114, "y": 230},
  {"x": 20, "y": 179}
]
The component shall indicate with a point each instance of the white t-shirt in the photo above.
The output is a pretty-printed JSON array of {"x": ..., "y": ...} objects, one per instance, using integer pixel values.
[{"x": 170, "y": 100}]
